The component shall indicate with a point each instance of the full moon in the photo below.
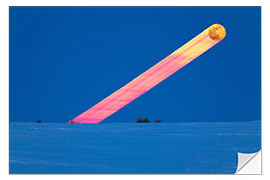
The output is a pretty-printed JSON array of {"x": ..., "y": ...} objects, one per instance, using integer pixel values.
[{"x": 217, "y": 32}]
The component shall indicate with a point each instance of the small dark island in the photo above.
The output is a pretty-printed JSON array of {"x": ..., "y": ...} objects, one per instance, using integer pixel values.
[
  {"x": 158, "y": 121},
  {"x": 142, "y": 120},
  {"x": 38, "y": 121}
]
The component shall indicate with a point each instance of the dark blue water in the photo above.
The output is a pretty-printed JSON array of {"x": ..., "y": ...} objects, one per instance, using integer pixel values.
[{"x": 127, "y": 148}]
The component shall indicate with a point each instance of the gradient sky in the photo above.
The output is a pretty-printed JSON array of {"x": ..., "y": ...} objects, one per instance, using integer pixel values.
[{"x": 64, "y": 60}]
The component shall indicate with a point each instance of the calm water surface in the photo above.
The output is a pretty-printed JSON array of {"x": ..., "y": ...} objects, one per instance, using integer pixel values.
[{"x": 130, "y": 148}]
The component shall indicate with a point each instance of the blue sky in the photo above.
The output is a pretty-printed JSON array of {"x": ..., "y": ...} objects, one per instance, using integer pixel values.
[{"x": 64, "y": 60}]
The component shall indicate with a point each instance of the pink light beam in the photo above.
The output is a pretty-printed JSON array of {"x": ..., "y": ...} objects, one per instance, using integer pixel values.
[{"x": 153, "y": 76}]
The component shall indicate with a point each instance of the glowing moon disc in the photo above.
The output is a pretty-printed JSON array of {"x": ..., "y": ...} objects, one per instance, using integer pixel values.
[{"x": 217, "y": 32}]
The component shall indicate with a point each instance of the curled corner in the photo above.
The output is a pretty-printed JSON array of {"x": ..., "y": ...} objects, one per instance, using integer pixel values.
[{"x": 249, "y": 163}]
